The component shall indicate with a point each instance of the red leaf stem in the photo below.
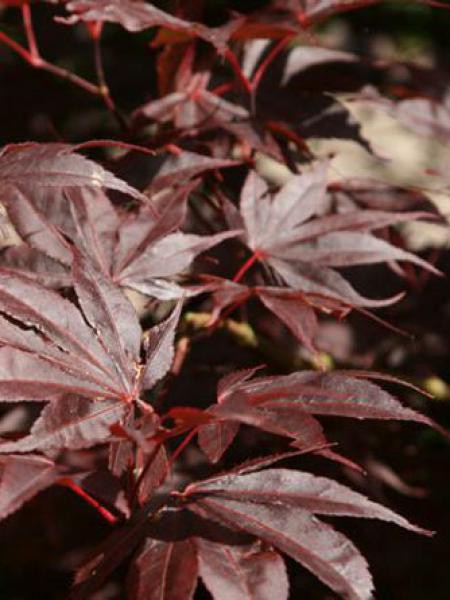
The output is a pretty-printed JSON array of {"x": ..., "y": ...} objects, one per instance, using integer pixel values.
[
  {"x": 246, "y": 266},
  {"x": 234, "y": 64},
  {"x": 104, "y": 512}
]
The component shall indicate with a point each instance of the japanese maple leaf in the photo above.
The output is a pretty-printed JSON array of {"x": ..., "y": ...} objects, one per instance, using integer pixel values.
[
  {"x": 138, "y": 16},
  {"x": 84, "y": 361},
  {"x": 279, "y": 506},
  {"x": 193, "y": 106},
  {"x": 229, "y": 529},
  {"x": 139, "y": 250},
  {"x": 285, "y": 405},
  {"x": 34, "y": 168},
  {"x": 295, "y": 309},
  {"x": 284, "y": 232}
]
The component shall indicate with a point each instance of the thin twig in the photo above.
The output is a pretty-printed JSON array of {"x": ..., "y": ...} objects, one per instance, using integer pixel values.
[{"x": 33, "y": 57}]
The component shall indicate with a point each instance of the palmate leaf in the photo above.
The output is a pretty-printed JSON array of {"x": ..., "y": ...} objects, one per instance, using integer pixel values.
[
  {"x": 284, "y": 405},
  {"x": 87, "y": 363},
  {"x": 71, "y": 422},
  {"x": 137, "y": 16},
  {"x": 178, "y": 169},
  {"x": 279, "y": 507},
  {"x": 188, "y": 110},
  {"x": 166, "y": 570},
  {"x": 334, "y": 393},
  {"x": 319, "y": 495},
  {"x": 282, "y": 232},
  {"x": 295, "y": 309},
  {"x": 21, "y": 478},
  {"x": 138, "y": 250},
  {"x": 32, "y": 165},
  {"x": 317, "y": 546},
  {"x": 246, "y": 572}
]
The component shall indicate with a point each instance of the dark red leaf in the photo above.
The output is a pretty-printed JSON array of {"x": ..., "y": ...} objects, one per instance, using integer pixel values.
[
  {"x": 242, "y": 572},
  {"x": 301, "y": 251},
  {"x": 296, "y": 532},
  {"x": 215, "y": 438},
  {"x": 167, "y": 258},
  {"x": 319, "y": 495},
  {"x": 70, "y": 422},
  {"x": 159, "y": 346},
  {"x": 21, "y": 478},
  {"x": 60, "y": 321},
  {"x": 295, "y": 313},
  {"x": 56, "y": 166},
  {"x": 137, "y": 16},
  {"x": 111, "y": 315},
  {"x": 164, "y": 570},
  {"x": 176, "y": 170}
]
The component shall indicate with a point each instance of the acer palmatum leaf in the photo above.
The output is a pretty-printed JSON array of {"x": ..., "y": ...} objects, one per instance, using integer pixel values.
[
  {"x": 331, "y": 393},
  {"x": 28, "y": 377},
  {"x": 72, "y": 422},
  {"x": 140, "y": 230},
  {"x": 33, "y": 226},
  {"x": 231, "y": 382},
  {"x": 159, "y": 348},
  {"x": 281, "y": 231},
  {"x": 36, "y": 265},
  {"x": 137, "y": 16},
  {"x": 162, "y": 569},
  {"x": 189, "y": 111},
  {"x": 319, "y": 495},
  {"x": 66, "y": 354},
  {"x": 110, "y": 314},
  {"x": 280, "y": 420},
  {"x": 55, "y": 165},
  {"x": 155, "y": 472},
  {"x": 181, "y": 168},
  {"x": 293, "y": 308},
  {"x": 241, "y": 572},
  {"x": 21, "y": 478},
  {"x": 215, "y": 438},
  {"x": 139, "y": 250},
  {"x": 299, "y": 534},
  {"x": 62, "y": 323},
  {"x": 278, "y": 506},
  {"x": 167, "y": 258},
  {"x": 293, "y": 311},
  {"x": 286, "y": 420}
]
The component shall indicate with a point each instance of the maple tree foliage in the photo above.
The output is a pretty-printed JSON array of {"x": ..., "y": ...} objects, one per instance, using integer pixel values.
[{"x": 115, "y": 270}]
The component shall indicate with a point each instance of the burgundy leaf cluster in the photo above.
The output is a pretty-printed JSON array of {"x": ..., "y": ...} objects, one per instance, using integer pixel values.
[{"x": 116, "y": 270}]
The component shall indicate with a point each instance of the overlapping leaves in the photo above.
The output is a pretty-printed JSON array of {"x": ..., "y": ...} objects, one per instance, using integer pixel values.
[
  {"x": 286, "y": 232},
  {"x": 212, "y": 539},
  {"x": 84, "y": 361},
  {"x": 52, "y": 195}
]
